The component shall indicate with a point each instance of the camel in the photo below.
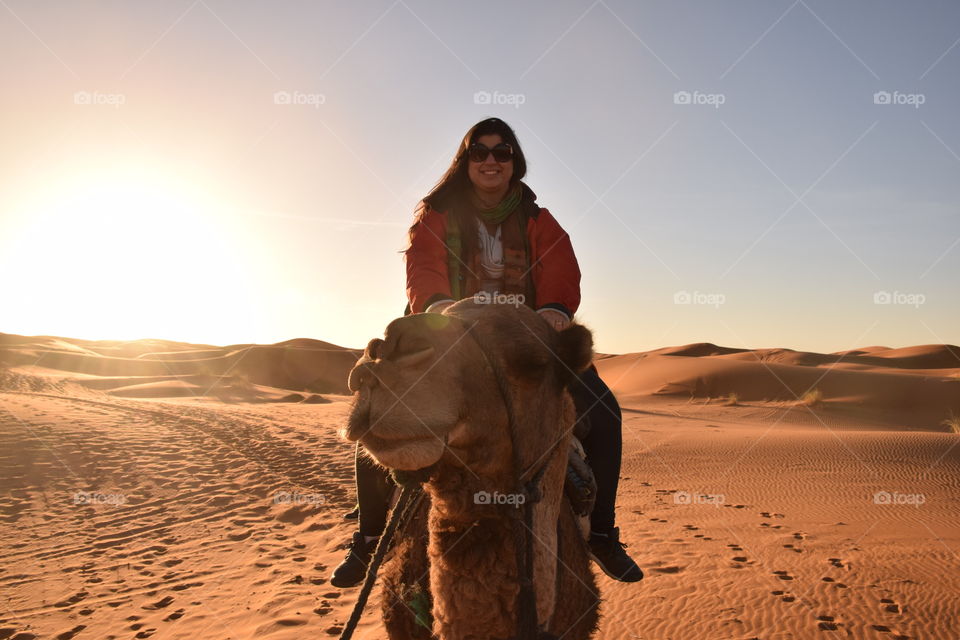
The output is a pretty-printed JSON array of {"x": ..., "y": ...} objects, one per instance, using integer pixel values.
[{"x": 430, "y": 396}]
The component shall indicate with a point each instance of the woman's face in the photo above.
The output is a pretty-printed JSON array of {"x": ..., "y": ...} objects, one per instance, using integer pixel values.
[{"x": 490, "y": 176}]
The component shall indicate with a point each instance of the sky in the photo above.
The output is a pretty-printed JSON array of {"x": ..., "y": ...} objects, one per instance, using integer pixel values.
[{"x": 771, "y": 173}]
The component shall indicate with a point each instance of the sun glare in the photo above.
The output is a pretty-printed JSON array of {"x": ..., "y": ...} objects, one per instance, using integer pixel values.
[{"x": 123, "y": 255}]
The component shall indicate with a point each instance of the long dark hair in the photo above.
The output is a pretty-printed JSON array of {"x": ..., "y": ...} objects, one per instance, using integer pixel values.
[{"x": 450, "y": 192}]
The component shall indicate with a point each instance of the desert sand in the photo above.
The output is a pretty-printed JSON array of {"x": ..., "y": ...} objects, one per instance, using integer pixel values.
[{"x": 170, "y": 490}]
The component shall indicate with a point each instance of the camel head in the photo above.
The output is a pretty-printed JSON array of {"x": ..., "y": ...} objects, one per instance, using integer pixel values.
[{"x": 429, "y": 386}]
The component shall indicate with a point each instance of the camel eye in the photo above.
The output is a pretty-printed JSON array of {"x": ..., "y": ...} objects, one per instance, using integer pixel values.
[{"x": 410, "y": 351}]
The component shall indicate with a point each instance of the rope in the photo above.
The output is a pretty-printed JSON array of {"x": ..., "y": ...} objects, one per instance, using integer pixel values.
[{"x": 406, "y": 506}]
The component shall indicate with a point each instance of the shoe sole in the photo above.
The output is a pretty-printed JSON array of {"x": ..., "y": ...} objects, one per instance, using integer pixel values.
[
  {"x": 344, "y": 586},
  {"x": 607, "y": 572}
]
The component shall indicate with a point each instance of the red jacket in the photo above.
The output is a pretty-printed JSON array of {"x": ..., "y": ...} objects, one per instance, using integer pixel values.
[{"x": 555, "y": 272}]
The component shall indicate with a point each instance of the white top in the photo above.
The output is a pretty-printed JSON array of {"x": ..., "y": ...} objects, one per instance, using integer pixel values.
[{"x": 491, "y": 251}]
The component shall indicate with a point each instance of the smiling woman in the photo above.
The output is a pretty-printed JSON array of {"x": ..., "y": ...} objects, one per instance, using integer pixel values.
[{"x": 125, "y": 254}]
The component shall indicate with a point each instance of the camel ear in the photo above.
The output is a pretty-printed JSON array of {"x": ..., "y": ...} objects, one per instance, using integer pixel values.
[{"x": 575, "y": 347}]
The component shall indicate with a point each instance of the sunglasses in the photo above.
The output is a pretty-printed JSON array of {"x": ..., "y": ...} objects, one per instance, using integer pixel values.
[{"x": 501, "y": 152}]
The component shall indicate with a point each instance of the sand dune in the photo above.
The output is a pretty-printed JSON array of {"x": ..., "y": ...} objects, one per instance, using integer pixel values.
[
  {"x": 158, "y": 368},
  {"x": 149, "y": 491},
  {"x": 918, "y": 386}
]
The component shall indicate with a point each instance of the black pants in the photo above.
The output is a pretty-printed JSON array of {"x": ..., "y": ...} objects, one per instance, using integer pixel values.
[{"x": 604, "y": 445}]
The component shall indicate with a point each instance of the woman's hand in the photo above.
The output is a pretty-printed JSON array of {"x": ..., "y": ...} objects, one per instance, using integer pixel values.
[{"x": 555, "y": 319}]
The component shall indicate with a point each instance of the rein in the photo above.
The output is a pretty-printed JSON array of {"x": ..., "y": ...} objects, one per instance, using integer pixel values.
[{"x": 406, "y": 506}]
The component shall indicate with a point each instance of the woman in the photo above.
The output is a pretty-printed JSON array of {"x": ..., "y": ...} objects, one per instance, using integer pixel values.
[{"x": 481, "y": 230}]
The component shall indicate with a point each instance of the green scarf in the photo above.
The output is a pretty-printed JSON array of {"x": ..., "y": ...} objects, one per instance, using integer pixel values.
[{"x": 499, "y": 212}]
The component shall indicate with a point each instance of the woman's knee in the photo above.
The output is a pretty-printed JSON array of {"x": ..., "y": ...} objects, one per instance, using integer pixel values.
[{"x": 599, "y": 405}]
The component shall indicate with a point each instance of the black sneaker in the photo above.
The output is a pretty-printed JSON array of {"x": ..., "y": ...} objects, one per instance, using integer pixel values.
[
  {"x": 607, "y": 551},
  {"x": 353, "y": 569}
]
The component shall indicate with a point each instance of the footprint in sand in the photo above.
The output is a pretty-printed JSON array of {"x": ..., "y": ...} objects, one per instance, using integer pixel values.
[
  {"x": 77, "y": 597},
  {"x": 827, "y": 623},
  {"x": 176, "y": 615},
  {"x": 890, "y": 606},
  {"x": 783, "y": 575},
  {"x": 885, "y": 629},
  {"x": 671, "y": 569},
  {"x": 159, "y": 604},
  {"x": 67, "y": 635},
  {"x": 784, "y": 596}
]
